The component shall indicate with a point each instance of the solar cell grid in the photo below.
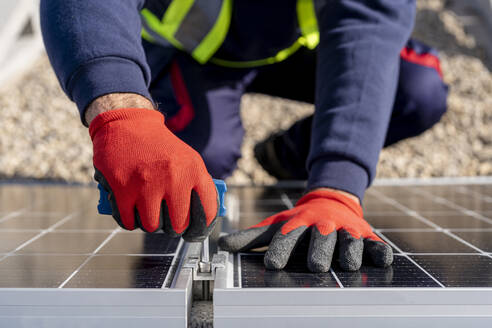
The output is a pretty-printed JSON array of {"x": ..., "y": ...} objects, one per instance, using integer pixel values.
[
  {"x": 53, "y": 237},
  {"x": 420, "y": 222}
]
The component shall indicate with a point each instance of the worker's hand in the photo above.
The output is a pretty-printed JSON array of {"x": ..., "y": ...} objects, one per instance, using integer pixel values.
[
  {"x": 154, "y": 179},
  {"x": 331, "y": 217}
]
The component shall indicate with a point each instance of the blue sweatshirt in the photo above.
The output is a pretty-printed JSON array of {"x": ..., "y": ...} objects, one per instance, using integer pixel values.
[{"x": 95, "y": 48}]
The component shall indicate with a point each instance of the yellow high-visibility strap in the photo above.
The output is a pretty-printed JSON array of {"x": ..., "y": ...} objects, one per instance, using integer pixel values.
[
  {"x": 158, "y": 27},
  {"x": 206, "y": 48},
  {"x": 308, "y": 23},
  {"x": 281, "y": 55},
  {"x": 147, "y": 36},
  {"x": 216, "y": 36},
  {"x": 175, "y": 14}
]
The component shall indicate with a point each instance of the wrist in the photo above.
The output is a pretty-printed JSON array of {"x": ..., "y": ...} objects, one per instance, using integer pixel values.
[
  {"x": 114, "y": 101},
  {"x": 330, "y": 194},
  {"x": 130, "y": 120},
  {"x": 341, "y": 192}
]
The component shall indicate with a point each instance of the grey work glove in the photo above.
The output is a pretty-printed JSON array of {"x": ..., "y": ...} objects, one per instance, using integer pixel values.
[{"x": 331, "y": 217}]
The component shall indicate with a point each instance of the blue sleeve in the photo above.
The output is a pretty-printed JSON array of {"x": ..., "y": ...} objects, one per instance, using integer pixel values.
[
  {"x": 356, "y": 80},
  {"x": 95, "y": 47}
]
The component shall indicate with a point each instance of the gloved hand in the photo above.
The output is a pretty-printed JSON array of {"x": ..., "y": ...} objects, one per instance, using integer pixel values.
[
  {"x": 154, "y": 179},
  {"x": 332, "y": 217}
]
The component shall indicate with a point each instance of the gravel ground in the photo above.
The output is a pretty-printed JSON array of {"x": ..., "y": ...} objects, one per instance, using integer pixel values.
[{"x": 42, "y": 136}]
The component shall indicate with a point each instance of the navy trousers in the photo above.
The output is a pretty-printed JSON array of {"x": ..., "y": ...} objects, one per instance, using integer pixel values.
[{"x": 201, "y": 102}]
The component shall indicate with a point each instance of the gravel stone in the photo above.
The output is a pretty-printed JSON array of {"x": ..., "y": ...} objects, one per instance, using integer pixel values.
[{"x": 42, "y": 137}]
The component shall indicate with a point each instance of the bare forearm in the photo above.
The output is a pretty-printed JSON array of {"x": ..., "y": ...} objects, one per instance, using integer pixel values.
[{"x": 114, "y": 101}]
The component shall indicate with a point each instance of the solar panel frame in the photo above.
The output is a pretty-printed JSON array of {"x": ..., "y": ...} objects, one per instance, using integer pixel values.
[
  {"x": 261, "y": 306},
  {"x": 61, "y": 304}
]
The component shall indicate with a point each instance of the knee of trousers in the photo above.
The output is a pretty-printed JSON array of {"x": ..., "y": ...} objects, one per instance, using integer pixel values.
[
  {"x": 426, "y": 98},
  {"x": 221, "y": 157}
]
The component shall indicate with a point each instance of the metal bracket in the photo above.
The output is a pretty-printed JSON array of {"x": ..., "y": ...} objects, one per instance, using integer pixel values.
[{"x": 205, "y": 270}]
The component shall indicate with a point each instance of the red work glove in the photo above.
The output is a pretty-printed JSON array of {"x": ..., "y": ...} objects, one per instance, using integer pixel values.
[
  {"x": 154, "y": 179},
  {"x": 332, "y": 217}
]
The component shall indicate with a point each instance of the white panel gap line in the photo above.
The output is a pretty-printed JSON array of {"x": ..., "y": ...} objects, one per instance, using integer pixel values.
[
  {"x": 173, "y": 262},
  {"x": 468, "y": 191},
  {"x": 12, "y": 215},
  {"x": 239, "y": 271},
  {"x": 412, "y": 213},
  {"x": 444, "y": 254},
  {"x": 80, "y": 231},
  {"x": 286, "y": 200},
  {"x": 407, "y": 230},
  {"x": 95, "y": 255},
  {"x": 439, "y": 181},
  {"x": 394, "y": 213},
  {"x": 336, "y": 278},
  {"x": 105, "y": 241},
  {"x": 39, "y": 235},
  {"x": 431, "y": 230},
  {"x": 16, "y": 213},
  {"x": 404, "y": 254},
  {"x": 407, "y": 211},
  {"x": 20, "y": 230},
  {"x": 444, "y": 201},
  {"x": 230, "y": 271},
  {"x": 469, "y": 229}
]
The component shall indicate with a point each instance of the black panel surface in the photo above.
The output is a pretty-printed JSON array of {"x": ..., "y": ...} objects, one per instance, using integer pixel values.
[
  {"x": 458, "y": 270},
  {"x": 395, "y": 222},
  {"x": 480, "y": 239},
  {"x": 395, "y": 210},
  {"x": 46, "y": 258},
  {"x": 296, "y": 274},
  {"x": 122, "y": 272},
  {"x": 403, "y": 273},
  {"x": 246, "y": 208},
  {"x": 51, "y": 234},
  {"x": 427, "y": 242}
]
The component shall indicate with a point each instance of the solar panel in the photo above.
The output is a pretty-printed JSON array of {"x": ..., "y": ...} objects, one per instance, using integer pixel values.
[
  {"x": 442, "y": 240},
  {"x": 61, "y": 262}
]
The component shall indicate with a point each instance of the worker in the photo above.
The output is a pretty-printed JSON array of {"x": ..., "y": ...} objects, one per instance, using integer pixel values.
[{"x": 159, "y": 84}]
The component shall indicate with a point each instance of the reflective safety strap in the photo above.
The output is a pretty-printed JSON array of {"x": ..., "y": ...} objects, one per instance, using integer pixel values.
[
  {"x": 146, "y": 35},
  {"x": 196, "y": 26},
  {"x": 154, "y": 30},
  {"x": 200, "y": 27},
  {"x": 308, "y": 23},
  {"x": 281, "y": 55},
  {"x": 214, "y": 39}
]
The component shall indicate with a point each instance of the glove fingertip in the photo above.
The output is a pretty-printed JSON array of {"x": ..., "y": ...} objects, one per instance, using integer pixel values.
[
  {"x": 350, "y": 251},
  {"x": 238, "y": 241},
  {"x": 166, "y": 221},
  {"x": 380, "y": 253},
  {"x": 318, "y": 266},
  {"x": 209, "y": 198},
  {"x": 274, "y": 262},
  {"x": 321, "y": 248}
]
